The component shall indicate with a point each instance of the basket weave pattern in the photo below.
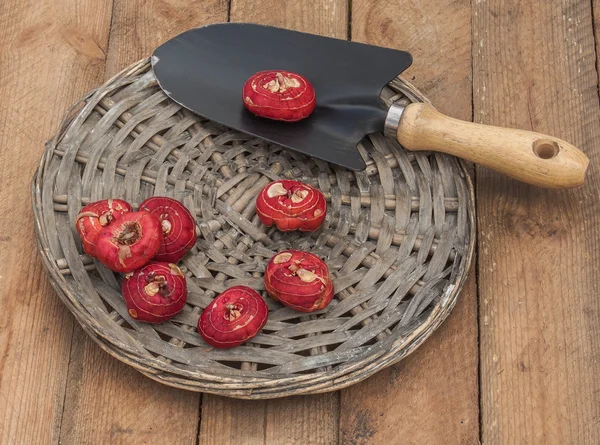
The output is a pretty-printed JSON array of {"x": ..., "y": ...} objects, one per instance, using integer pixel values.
[{"x": 398, "y": 240}]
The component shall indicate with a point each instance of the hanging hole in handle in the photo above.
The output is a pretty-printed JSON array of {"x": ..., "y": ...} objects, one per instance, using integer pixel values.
[{"x": 545, "y": 148}]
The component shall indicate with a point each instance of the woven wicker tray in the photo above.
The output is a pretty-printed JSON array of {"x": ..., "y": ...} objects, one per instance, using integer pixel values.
[{"x": 398, "y": 240}]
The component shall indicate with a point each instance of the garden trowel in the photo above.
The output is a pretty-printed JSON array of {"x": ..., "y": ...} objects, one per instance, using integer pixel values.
[{"x": 204, "y": 70}]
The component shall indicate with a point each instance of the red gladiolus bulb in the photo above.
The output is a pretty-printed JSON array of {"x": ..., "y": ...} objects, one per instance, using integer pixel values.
[
  {"x": 279, "y": 95},
  {"x": 234, "y": 317},
  {"x": 299, "y": 280},
  {"x": 291, "y": 205},
  {"x": 130, "y": 242},
  {"x": 155, "y": 293},
  {"x": 94, "y": 217},
  {"x": 178, "y": 227}
]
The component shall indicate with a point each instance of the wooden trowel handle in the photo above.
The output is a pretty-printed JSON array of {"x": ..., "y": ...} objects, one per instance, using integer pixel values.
[{"x": 530, "y": 157}]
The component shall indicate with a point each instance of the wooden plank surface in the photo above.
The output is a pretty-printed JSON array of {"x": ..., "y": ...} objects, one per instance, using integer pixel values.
[
  {"x": 432, "y": 396},
  {"x": 295, "y": 420},
  {"x": 107, "y": 401},
  {"x": 534, "y": 68},
  {"x": 324, "y": 17},
  {"x": 596, "y": 31},
  {"x": 139, "y": 27},
  {"x": 50, "y": 54}
]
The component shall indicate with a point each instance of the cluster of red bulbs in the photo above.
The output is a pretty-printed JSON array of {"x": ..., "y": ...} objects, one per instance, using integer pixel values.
[
  {"x": 297, "y": 279},
  {"x": 146, "y": 246}
]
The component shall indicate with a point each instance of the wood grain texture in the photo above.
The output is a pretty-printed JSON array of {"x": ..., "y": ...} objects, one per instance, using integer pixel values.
[
  {"x": 531, "y": 157},
  {"x": 50, "y": 54},
  {"x": 539, "y": 250},
  {"x": 107, "y": 401},
  {"x": 140, "y": 26},
  {"x": 292, "y": 420},
  {"x": 432, "y": 396},
  {"x": 231, "y": 422},
  {"x": 307, "y": 419},
  {"x": 303, "y": 420},
  {"x": 326, "y": 17},
  {"x": 439, "y": 39},
  {"x": 596, "y": 31}
]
